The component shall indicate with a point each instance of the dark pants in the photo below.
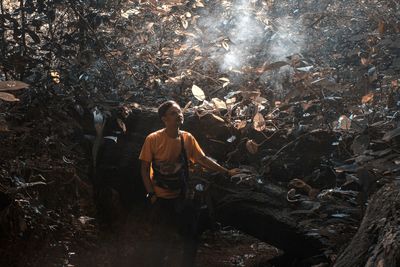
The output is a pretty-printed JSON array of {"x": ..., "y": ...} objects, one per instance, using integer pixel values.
[{"x": 171, "y": 222}]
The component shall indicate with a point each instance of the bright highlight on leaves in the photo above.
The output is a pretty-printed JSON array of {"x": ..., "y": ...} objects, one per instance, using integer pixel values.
[
  {"x": 8, "y": 97},
  {"x": 225, "y": 80},
  {"x": 122, "y": 125},
  {"x": 55, "y": 76},
  {"x": 225, "y": 45},
  {"x": 344, "y": 123},
  {"x": 240, "y": 124},
  {"x": 198, "y": 93},
  {"x": 185, "y": 24},
  {"x": 12, "y": 85},
  {"x": 367, "y": 98},
  {"x": 218, "y": 103},
  {"x": 252, "y": 146},
  {"x": 259, "y": 122}
]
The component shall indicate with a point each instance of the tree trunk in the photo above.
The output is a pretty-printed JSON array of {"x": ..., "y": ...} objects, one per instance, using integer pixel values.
[{"x": 377, "y": 241}]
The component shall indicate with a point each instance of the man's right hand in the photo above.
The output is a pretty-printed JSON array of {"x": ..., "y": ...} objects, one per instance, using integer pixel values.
[{"x": 153, "y": 199}]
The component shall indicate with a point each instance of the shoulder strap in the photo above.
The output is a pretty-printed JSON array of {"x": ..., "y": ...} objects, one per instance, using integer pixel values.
[
  {"x": 183, "y": 151},
  {"x": 185, "y": 163}
]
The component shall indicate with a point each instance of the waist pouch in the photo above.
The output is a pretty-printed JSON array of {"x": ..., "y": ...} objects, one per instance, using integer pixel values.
[{"x": 172, "y": 181}]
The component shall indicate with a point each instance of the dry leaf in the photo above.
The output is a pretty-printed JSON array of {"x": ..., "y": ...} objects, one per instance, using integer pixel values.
[
  {"x": 12, "y": 85},
  {"x": 230, "y": 101},
  {"x": 190, "y": 34},
  {"x": 260, "y": 100},
  {"x": 218, "y": 118},
  {"x": 258, "y": 122},
  {"x": 364, "y": 61},
  {"x": 239, "y": 124},
  {"x": 55, "y": 76},
  {"x": 226, "y": 82},
  {"x": 185, "y": 23},
  {"x": 149, "y": 26},
  {"x": 121, "y": 124},
  {"x": 381, "y": 27},
  {"x": 252, "y": 146},
  {"x": 198, "y": 93},
  {"x": 181, "y": 49},
  {"x": 218, "y": 103},
  {"x": 8, "y": 97},
  {"x": 272, "y": 66},
  {"x": 344, "y": 123},
  {"x": 174, "y": 80},
  {"x": 250, "y": 94},
  {"x": 367, "y": 98},
  {"x": 225, "y": 45},
  {"x": 199, "y": 3}
]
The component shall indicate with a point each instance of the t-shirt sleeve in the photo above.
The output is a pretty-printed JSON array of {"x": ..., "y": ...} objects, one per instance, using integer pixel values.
[
  {"x": 146, "y": 153},
  {"x": 195, "y": 152}
]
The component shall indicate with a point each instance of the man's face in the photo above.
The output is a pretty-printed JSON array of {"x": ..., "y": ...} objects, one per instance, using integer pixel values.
[{"x": 173, "y": 117}]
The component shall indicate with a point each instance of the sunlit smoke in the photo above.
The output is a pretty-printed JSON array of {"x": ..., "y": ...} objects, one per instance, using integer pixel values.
[
  {"x": 245, "y": 34},
  {"x": 288, "y": 38}
]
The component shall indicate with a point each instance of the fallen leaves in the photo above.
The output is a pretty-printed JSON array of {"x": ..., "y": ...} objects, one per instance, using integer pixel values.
[
  {"x": 252, "y": 146},
  {"x": 367, "y": 98},
  {"x": 8, "y": 97},
  {"x": 11, "y": 86},
  {"x": 198, "y": 93},
  {"x": 259, "y": 122}
]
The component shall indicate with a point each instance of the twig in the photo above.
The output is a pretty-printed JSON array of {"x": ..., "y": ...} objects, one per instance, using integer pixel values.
[
  {"x": 274, "y": 157},
  {"x": 317, "y": 20},
  {"x": 12, "y": 191}
]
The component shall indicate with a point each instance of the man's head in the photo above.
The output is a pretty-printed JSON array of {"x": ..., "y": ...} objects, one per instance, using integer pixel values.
[{"x": 171, "y": 114}]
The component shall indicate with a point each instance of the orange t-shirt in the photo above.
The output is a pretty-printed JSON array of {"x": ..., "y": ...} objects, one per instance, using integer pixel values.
[{"x": 162, "y": 149}]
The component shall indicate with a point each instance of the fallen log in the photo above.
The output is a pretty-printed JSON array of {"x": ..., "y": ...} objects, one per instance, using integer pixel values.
[{"x": 265, "y": 215}]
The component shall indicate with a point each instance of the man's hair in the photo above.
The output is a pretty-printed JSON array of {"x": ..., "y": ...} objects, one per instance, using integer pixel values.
[{"x": 162, "y": 109}]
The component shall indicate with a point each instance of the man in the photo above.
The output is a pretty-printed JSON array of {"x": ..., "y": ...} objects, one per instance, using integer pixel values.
[{"x": 165, "y": 154}]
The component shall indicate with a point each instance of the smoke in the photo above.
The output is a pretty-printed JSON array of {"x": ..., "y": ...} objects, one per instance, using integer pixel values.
[
  {"x": 288, "y": 38},
  {"x": 245, "y": 34}
]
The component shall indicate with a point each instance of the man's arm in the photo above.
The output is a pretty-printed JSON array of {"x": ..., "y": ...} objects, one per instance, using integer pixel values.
[
  {"x": 145, "y": 171},
  {"x": 214, "y": 166}
]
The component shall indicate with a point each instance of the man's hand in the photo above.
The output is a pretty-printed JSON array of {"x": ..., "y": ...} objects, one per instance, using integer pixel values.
[
  {"x": 153, "y": 199},
  {"x": 233, "y": 172}
]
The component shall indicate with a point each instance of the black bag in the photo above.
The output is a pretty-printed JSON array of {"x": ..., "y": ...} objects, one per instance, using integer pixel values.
[{"x": 178, "y": 180}]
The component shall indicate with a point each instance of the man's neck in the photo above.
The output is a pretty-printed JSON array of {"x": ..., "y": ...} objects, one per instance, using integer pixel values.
[{"x": 172, "y": 132}]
